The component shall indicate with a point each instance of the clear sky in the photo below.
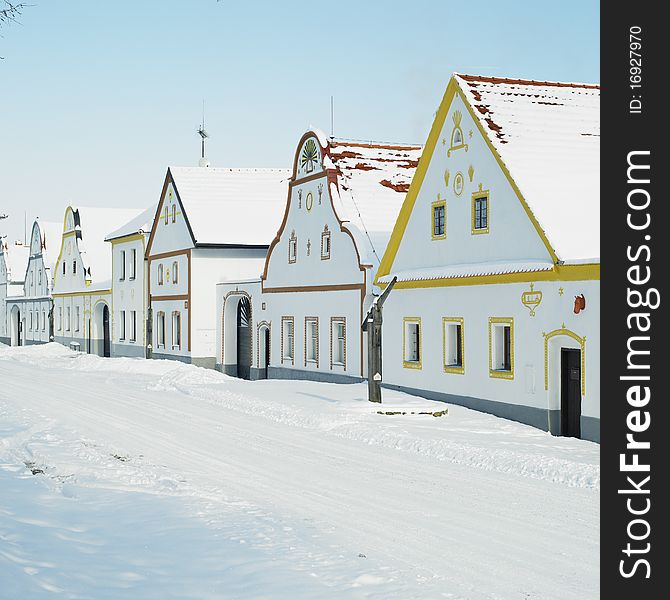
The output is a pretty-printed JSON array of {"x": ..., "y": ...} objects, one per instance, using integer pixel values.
[{"x": 98, "y": 98}]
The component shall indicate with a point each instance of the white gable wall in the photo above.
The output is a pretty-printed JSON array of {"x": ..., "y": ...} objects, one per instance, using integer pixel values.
[{"x": 511, "y": 234}]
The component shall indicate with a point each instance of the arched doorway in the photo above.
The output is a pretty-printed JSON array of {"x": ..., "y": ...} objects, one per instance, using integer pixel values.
[
  {"x": 263, "y": 350},
  {"x": 106, "y": 341},
  {"x": 564, "y": 380},
  {"x": 100, "y": 340},
  {"x": 16, "y": 325},
  {"x": 244, "y": 338}
]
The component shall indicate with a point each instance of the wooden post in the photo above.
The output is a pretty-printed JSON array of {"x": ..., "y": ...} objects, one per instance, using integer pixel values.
[{"x": 373, "y": 325}]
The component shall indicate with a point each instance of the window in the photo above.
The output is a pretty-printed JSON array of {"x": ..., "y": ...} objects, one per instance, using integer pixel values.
[
  {"x": 122, "y": 265},
  {"x": 44, "y": 320},
  {"x": 63, "y": 265},
  {"x": 175, "y": 272},
  {"x": 325, "y": 244},
  {"x": 30, "y": 326},
  {"x": 160, "y": 329},
  {"x": 176, "y": 330},
  {"x": 133, "y": 263},
  {"x": 122, "y": 325},
  {"x": 412, "y": 342},
  {"x": 292, "y": 248},
  {"x": 67, "y": 318},
  {"x": 480, "y": 212},
  {"x": 160, "y": 274},
  {"x": 74, "y": 267},
  {"x": 76, "y": 318},
  {"x": 338, "y": 342},
  {"x": 312, "y": 340},
  {"x": 453, "y": 345},
  {"x": 501, "y": 347},
  {"x": 439, "y": 216},
  {"x": 39, "y": 277},
  {"x": 166, "y": 214},
  {"x": 133, "y": 325},
  {"x": 174, "y": 213},
  {"x": 287, "y": 345},
  {"x": 60, "y": 318}
]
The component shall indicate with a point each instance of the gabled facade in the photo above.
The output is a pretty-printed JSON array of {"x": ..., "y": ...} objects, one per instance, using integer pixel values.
[
  {"x": 496, "y": 254},
  {"x": 129, "y": 286},
  {"x": 211, "y": 224},
  {"x": 302, "y": 317},
  {"x": 82, "y": 286},
  {"x": 32, "y": 307},
  {"x": 13, "y": 266}
]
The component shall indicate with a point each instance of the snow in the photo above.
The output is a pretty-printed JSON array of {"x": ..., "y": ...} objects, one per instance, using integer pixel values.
[
  {"x": 52, "y": 234},
  {"x": 142, "y": 223},
  {"x": 370, "y": 207},
  {"x": 549, "y": 139},
  {"x": 162, "y": 479},
  {"x": 16, "y": 261},
  {"x": 96, "y": 253},
  {"x": 210, "y": 196},
  {"x": 469, "y": 270}
]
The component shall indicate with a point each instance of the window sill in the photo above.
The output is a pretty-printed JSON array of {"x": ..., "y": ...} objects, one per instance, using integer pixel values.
[
  {"x": 455, "y": 369},
  {"x": 411, "y": 364},
  {"x": 501, "y": 374},
  {"x": 442, "y": 236},
  {"x": 480, "y": 231}
]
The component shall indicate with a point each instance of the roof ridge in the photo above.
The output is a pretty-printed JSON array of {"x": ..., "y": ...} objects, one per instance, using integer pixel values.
[
  {"x": 373, "y": 144},
  {"x": 514, "y": 81}
]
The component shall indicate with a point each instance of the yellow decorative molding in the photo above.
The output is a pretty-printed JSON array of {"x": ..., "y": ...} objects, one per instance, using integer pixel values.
[
  {"x": 571, "y": 334},
  {"x": 478, "y": 195},
  {"x": 440, "y": 202},
  {"x": 458, "y": 370},
  {"x": 531, "y": 299},
  {"x": 497, "y": 373},
  {"x": 412, "y": 364}
]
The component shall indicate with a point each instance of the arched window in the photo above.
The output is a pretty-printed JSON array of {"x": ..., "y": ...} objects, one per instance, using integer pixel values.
[
  {"x": 174, "y": 213},
  {"x": 166, "y": 214},
  {"x": 175, "y": 272},
  {"x": 160, "y": 274}
]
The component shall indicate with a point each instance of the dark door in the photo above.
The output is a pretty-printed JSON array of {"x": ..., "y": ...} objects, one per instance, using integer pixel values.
[
  {"x": 571, "y": 392},
  {"x": 244, "y": 338},
  {"x": 106, "y": 350},
  {"x": 266, "y": 354},
  {"x": 19, "y": 328}
]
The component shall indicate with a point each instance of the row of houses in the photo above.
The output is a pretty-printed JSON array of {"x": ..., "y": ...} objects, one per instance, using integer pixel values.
[{"x": 490, "y": 233}]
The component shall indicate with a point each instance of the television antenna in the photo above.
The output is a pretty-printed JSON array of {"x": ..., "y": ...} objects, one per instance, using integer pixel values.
[{"x": 203, "y": 136}]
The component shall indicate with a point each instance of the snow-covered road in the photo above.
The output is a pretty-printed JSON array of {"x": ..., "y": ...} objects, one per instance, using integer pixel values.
[{"x": 327, "y": 498}]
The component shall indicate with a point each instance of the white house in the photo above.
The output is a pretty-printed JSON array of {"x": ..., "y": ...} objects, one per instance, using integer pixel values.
[
  {"x": 129, "y": 289},
  {"x": 496, "y": 251},
  {"x": 211, "y": 224},
  {"x": 32, "y": 306},
  {"x": 82, "y": 288},
  {"x": 302, "y": 317},
  {"x": 13, "y": 266}
]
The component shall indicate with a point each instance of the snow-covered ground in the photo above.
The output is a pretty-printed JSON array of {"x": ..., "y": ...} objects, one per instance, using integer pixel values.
[{"x": 124, "y": 478}]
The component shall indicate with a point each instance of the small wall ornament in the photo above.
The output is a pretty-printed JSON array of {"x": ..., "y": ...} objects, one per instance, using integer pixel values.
[
  {"x": 580, "y": 304},
  {"x": 459, "y": 183},
  {"x": 531, "y": 299},
  {"x": 457, "y": 138},
  {"x": 320, "y": 190},
  {"x": 446, "y": 177},
  {"x": 471, "y": 172}
]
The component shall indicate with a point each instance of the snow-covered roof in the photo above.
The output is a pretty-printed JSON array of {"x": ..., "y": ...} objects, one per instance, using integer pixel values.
[
  {"x": 232, "y": 206},
  {"x": 52, "y": 235},
  {"x": 548, "y": 136},
  {"x": 139, "y": 224},
  {"x": 95, "y": 252},
  {"x": 469, "y": 270},
  {"x": 16, "y": 261},
  {"x": 373, "y": 178}
]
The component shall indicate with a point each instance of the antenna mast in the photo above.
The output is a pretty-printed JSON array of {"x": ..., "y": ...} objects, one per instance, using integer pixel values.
[{"x": 203, "y": 136}]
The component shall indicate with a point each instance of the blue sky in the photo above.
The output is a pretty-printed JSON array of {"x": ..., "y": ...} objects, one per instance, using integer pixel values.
[{"x": 98, "y": 98}]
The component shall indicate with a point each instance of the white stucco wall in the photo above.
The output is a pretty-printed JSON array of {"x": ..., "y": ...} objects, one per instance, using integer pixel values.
[{"x": 475, "y": 304}]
